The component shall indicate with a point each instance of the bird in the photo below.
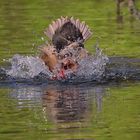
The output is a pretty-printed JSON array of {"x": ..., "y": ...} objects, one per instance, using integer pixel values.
[
  {"x": 67, "y": 36},
  {"x": 65, "y": 31}
]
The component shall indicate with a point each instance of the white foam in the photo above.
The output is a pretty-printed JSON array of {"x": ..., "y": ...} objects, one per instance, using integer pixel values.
[
  {"x": 92, "y": 65},
  {"x": 27, "y": 67}
]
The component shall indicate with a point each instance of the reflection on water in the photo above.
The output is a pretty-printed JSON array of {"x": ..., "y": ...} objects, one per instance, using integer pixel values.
[
  {"x": 61, "y": 104},
  {"x": 27, "y": 96},
  {"x": 70, "y": 104},
  {"x": 58, "y": 111}
]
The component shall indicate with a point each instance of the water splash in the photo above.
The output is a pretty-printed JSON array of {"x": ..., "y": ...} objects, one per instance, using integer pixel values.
[
  {"x": 27, "y": 67},
  {"x": 97, "y": 68},
  {"x": 93, "y": 66}
]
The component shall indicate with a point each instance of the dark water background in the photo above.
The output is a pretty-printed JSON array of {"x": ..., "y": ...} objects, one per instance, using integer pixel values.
[{"x": 32, "y": 109}]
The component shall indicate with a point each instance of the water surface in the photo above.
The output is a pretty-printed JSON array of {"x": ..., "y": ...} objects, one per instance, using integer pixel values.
[
  {"x": 95, "y": 110},
  {"x": 86, "y": 111}
]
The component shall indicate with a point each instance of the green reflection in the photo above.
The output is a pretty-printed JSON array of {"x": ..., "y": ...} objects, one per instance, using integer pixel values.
[{"x": 71, "y": 112}]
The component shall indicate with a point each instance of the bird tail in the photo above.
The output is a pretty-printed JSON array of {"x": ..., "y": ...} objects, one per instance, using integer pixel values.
[{"x": 84, "y": 29}]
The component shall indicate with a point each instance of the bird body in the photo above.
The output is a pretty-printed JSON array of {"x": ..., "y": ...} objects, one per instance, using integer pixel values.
[{"x": 67, "y": 37}]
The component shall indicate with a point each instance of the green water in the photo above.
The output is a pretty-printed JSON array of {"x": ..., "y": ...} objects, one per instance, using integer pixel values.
[
  {"x": 54, "y": 112},
  {"x": 22, "y": 24},
  {"x": 70, "y": 112}
]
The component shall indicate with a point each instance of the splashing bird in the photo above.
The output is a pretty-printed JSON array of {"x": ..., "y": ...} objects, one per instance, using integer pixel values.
[{"x": 67, "y": 37}]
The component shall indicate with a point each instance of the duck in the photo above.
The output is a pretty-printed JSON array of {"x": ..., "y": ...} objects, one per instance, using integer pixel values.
[{"x": 66, "y": 44}]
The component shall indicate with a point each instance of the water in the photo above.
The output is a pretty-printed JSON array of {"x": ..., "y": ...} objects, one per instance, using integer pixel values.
[
  {"x": 102, "y": 104},
  {"x": 26, "y": 67},
  {"x": 91, "y": 67},
  {"x": 96, "y": 69},
  {"x": 86, "y": 111}
]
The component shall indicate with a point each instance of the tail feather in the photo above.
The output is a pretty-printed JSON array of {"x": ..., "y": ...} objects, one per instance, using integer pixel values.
[
  {"x": 51, "y": 28},
  {"x": 82, "y": 26},
  {"x": 84, "y": 29},
  {"x": 54, "y": 25},
  {"x": 78, "y": 23},
  {"x": 48, "y": 33},
  {"x": 87, "y": 35}
]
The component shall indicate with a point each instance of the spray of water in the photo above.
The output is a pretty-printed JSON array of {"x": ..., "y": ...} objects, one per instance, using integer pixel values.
[
  {"x": 29, "y": 67},
  {"x": 93, "y": 66},
  {"x": 90, "y": 67}
]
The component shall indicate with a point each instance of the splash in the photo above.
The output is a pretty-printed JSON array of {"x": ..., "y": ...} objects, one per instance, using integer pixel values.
[
  {"x": 27, "y": 67},
  {"x": 93, "y": 66},
  {"x": 90, "y": 67},
  {"x": 97, "y": 68}
]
